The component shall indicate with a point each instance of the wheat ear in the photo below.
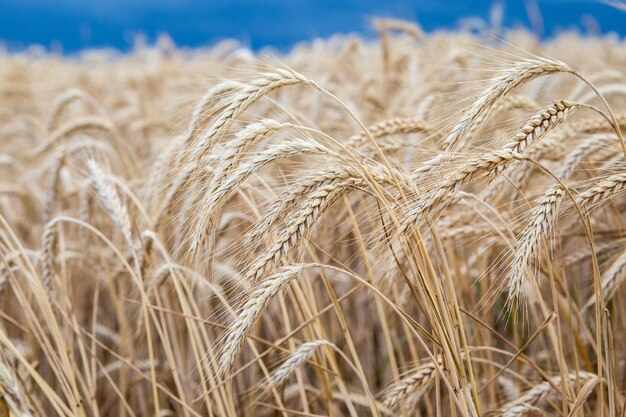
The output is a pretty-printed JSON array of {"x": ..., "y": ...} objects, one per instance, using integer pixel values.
[
  {"x": 487, "y": 164},
  {"x": 243, "y": 141},
  {"x": 212, "y": 201},
  {"x": 245, "y": 97},
  {"x": 602, "y": 191},
  {"x": 251, "y": 310},
  {"x": 411, "y": 387},
  {"x": 511, "y": 102},
  {"x": 11, "y": 392},
  {"x": 540, "y": 124},
  {"x": 111, "y": 200},
  {"x": 573, "y": 159},
  {"x": 297, "y": 228},
  {"x": 387, "y": 128},
  {"x": 171, "y": 157},
  {"x": 49, "y": 240},
  {"x": 299, "y": 357},
  {"x": 500, "y": 89},
  {"x": 533, "y": 130},
  {"x": 612, "y": 279},
  {"x": 541, "y": 222},
  {"x": 53, "y": 188},
  {"x": 286, "y": 202},
  {"x": 521, "y": 405},
  {"x": 73, "y": 127},
  {"x": 62, "y": 101}
]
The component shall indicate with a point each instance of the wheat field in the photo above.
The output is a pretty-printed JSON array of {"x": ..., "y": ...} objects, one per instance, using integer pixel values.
[{"x": 413, "y": 225}]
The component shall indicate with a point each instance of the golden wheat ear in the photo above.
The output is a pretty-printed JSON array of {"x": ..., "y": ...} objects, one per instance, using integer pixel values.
[{"x": 542, "y": 220}]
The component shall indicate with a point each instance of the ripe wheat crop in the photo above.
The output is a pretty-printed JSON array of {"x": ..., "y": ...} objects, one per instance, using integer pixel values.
[{"x": 414, "y": 225}]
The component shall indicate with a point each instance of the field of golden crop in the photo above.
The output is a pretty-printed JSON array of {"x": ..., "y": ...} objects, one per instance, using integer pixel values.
[{"x": 415, "y": 225}]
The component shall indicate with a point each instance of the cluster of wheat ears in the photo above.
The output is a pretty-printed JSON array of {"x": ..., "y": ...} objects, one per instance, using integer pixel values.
[{"x": 426, "y": 225}]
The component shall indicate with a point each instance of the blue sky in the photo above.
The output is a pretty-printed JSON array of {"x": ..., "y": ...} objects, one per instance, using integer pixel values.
[{"x": 78, "y": 24}]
